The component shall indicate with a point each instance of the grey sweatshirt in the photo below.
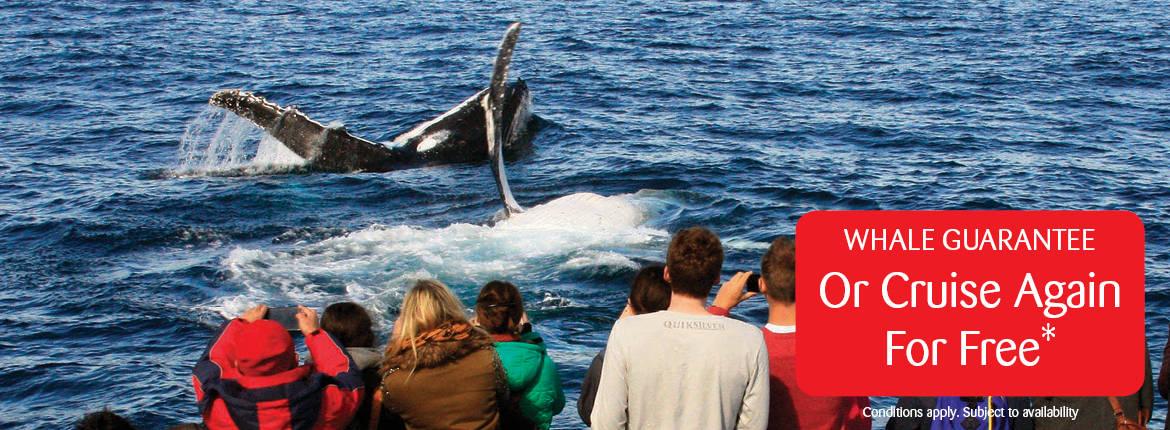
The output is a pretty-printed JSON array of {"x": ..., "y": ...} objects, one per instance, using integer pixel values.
[
  {"x": 364, "y": 357},
  {"x": 677, "y": 371}
]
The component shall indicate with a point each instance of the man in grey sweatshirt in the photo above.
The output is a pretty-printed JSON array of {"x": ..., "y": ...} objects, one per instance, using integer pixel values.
[{"x": 684, "y": 368}]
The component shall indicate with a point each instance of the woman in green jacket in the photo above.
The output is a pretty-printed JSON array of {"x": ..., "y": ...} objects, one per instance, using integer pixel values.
[{"x": 536, "y": 392}]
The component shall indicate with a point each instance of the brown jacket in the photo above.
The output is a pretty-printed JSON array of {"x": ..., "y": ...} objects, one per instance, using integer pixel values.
[{"x": 458, "y": 384}]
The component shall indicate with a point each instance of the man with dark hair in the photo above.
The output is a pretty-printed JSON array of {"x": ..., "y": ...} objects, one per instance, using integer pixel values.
[
  {"x": 683, "y": 367},
  {"x": 103, "y": 420},
  {"x": 790, "y": 407},
  {"x": 693, "y": 262}
]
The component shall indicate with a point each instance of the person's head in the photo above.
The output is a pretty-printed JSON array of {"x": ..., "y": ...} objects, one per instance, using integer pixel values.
[
  {"x": 428, "y": 305},
  {"x": 103, "y": 420},
  {"x": 349, "y": 323},
  {"x": 693, "y": 262},
  {"x": 778, "y": 271},
  {"x": 263, "y": 348},
  {"x": 649, "y": 292},
  {"x": 499, "y": 308}
]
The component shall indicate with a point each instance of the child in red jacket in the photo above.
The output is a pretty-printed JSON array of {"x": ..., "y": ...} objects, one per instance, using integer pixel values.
[{"x": 249, "y": 378}]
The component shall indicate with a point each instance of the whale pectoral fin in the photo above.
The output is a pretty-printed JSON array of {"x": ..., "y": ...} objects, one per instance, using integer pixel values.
[
  {"x": 326, "y": 148},
  {"x": 493, "y": 105},
  {"x": 299, "y": 133}
]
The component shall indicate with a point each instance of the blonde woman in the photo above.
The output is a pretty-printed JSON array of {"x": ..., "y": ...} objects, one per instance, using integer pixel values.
[{"x": 439, "y": 371}]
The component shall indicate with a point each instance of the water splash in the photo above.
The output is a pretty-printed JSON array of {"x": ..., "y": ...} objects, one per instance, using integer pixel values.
[
  {"x": 376, "y": 265},
  {"x": 220, "y": 143}
]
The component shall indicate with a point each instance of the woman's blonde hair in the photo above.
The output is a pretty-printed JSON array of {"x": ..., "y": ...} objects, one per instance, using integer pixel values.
[{"x": 428, "y": 305}]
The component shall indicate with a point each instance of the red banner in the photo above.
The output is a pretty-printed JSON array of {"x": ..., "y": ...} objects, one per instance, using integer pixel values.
[{"x": 947, "y": 303}]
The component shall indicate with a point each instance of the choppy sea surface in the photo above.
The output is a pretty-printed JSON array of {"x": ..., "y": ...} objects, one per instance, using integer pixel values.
[{"x": 133, "y": 217}]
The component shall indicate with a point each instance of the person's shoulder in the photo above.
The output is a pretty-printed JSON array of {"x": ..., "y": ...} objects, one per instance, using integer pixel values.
[
  {"x": 645, "y": 318},
  {"x": 481, "y": 359},
  {"x": 635, "y": 328},
  {"x": 634, "y": 322},
  {"x": 599, "y": 358},
  {"x": 744, "y": 329},
  {"x": 520, "y": 351},
  {"x": 744, "y": 336}
]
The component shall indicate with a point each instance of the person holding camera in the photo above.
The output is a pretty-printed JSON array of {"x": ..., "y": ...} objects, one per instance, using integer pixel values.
[
  {"x": 683, "y": 367},
  {"x": 249, "y": 378},
  {"x": 789, "y": 407}
]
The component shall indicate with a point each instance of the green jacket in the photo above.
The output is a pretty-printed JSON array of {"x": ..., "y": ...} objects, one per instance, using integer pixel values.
[{"x": 532, "y": 379}]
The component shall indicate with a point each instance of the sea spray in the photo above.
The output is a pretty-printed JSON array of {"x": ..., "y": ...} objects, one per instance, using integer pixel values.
[
  {"x": 579, "y": 236},
  {"x": 219, "y": 143}
]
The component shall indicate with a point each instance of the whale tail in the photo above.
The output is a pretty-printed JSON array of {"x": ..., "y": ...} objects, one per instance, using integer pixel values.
[{"x": 493, "y": 106}]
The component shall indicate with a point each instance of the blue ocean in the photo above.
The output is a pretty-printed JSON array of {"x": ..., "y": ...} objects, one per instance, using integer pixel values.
[{"x": 134, "y": 217}]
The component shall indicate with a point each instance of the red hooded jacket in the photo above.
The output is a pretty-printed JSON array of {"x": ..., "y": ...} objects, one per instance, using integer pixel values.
[{"x": 248, "y": 379}]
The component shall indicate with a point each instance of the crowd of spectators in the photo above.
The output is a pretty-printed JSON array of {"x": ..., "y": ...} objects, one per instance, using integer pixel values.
[{"x": 672, "y": 361}]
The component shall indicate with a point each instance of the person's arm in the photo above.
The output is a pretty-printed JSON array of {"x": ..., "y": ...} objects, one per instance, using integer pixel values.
[
  {"x": 718, "y": 311},
  {"x": 858, "y": 419},
  {"x": 342, "y": 398},
  {"x": 547, "y": 397},
  {"x": 754, "y": 412},
  {"x": 216, "y": 359},
  {"x": 1146, "y": 401},
  {"x": 611, "y": 408},
  {"x": 558, "y": 403},
  {"x": 1164, "y": 374},
  {"x": 589, "y": 388},
  {"x": 731, "y": 294}
]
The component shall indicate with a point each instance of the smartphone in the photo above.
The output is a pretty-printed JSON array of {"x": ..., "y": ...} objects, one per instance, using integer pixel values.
[
  {"x": 286, "y": 316},
  {"x": 753, "y": 283}
]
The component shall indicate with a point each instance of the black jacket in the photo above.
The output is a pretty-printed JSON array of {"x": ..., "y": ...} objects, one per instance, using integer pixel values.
[
  {"x": 589, "y": 388},
  {"x": 922, "y": 422}
]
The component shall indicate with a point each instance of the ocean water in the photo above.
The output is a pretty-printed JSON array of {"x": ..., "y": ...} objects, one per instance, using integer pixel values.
[{"x": 133, "y": 217}]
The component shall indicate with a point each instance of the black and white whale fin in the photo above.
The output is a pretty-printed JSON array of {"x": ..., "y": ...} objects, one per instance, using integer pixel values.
[{"x": 493, "y": 106}]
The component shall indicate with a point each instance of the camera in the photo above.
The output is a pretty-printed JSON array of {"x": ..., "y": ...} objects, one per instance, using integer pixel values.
[{"x": 753, "y": 283}]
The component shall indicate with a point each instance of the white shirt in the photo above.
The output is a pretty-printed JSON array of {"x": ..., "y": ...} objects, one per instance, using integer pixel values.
[
  {"x": 672, "y": 370},
  {"x": 780, "y": 329}
]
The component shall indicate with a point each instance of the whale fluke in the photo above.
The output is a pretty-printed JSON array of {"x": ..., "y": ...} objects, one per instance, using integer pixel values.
[{"x": 493, "y": 106}]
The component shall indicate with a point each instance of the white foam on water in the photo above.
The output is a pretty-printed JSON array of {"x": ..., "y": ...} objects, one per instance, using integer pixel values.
[
  {"x": 375, "y": 266},
  {"x": 218, "y": 142},
  {"x": 746, "y": 245},
  {"x": 598, "y": 259}
]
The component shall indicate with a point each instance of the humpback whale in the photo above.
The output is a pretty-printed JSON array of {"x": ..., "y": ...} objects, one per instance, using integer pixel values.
[{"x": 462, "y": 134}]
